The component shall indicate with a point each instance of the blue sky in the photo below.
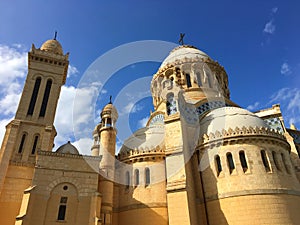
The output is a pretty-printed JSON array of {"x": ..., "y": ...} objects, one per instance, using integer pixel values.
[{"x": 256, "y": 41}]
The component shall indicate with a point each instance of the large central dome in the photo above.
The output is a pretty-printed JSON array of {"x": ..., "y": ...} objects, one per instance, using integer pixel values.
[{"x": 182, "y": 52}]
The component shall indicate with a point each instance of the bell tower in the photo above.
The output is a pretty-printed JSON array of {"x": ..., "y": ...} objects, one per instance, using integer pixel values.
[{"x": 32, "y": 128}]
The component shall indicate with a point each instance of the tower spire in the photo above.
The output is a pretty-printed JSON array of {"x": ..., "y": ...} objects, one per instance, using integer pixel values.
[{"x": 55, "y": 35}]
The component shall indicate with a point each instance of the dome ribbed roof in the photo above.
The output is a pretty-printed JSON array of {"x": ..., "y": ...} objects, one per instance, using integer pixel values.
[
  {"x": 229, "y": 117},
  {"x": 52, "y": 46},
  {"x": 182, "y": 52},
  {"x": 68, "y": 148}
]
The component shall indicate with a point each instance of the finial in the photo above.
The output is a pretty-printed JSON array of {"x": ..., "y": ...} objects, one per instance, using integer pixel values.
[
  {"x": 181, "y": 38},
  {"x": 110, "y": 99},
  {"x": 55, "y": 35}
]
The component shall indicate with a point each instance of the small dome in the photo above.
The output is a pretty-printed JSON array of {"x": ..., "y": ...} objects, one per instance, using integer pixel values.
[
  {"x": 109, "y": 110},
  {"x": 52, "y": 46},
  {"x": 68, "y": 148},
  {"x": 181, "y": 52},
  {"x": 229, "y": 117}
]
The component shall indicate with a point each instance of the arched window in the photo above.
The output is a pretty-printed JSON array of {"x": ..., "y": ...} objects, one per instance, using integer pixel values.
[
  {"x": 127, "y": 179},
  {"x": 230, "y": 162},
  {"x": 218, "y": 164},
  {"x": 171, "y": 104},
  {"x": 276, "y": 161},
  {"x": 147, "y": 176},
  {"x": 62, "y": 208},
  {"x": 285, "y": 163},
  {"x": 243, "y": 161},
  {"x": 136, "y": 177},
  {"x": 34, "y": 96},
  {"x": 22, "y": 143},
  {"x": 199, "y": 81},
  {"x": 265, "y": 160},
  {"x": 45, "y": 98},
  {"x": 36, "y": 139},
  {"x": 188, "y": 80}
]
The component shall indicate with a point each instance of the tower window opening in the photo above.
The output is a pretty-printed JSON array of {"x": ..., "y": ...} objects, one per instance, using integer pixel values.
[
  {"x": 188, "y": 80},
  {"x": 230, "y": 162},
  {"x": 265, "y": 160},
  {"x": 275, "y": 158},
  {"x": 62, "y": 208},
  {"x": 36, "y": 138},
  {"x": 147, "y": 176},
  {"x": 34, "y": 96},
  {"x": 137, "y": 177},
  {"x": 127, "y": 179},
  {"x": 218, "y": 165},
  {"x": 243, "y": 161},
  {"x": 22, "y": 143},
  {"x": 171, "y": 104},
  {"x": 285, "y": 163},
  {"x": 45, "y": 98}
]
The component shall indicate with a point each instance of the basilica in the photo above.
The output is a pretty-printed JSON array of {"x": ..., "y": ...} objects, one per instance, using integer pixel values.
[{"x": 201, "y": 159}]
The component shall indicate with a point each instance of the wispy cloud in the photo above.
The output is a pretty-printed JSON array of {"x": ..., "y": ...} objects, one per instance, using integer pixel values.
[
  {"x": 253, "y": 106},
  {"x": 285, "y": 69},
  {"x": 72, "y": 70},
  {"x": 289, "y": 99},
  {"x": 269, "y": 27},
  {"x": 131, "y": 107},
  {"x": 274, "y": 10}
]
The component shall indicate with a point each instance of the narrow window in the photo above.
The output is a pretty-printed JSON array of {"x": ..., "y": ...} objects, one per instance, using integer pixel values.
[
  {"x": 62, "y": 208},
  {"x": 147, "y": 176},
  {"x": 36, "y": 138},
  {"x": 22, "y": 143},
  {"x": 45, "y": 98},
  {"x": 243, "y": 161},
  {"x": 265, "y": 160},
  {"x": 34, "y": 96},
  {"x": 188, "y": 80},
  {"x": 171, "y": 104},
  {"x": 276, "y": 161},
  {"x": 285, "y": 163},
  {"x": 218, "y": 164},
  {"x": 230, "y": 162},
  {"x": 198, "y": 75},
  {"x": 127, "y": 177},
  {"x": 137, "y": 177}
]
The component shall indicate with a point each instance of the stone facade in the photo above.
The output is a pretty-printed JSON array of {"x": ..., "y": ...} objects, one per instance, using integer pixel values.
[{"x": 201, "y": 159}]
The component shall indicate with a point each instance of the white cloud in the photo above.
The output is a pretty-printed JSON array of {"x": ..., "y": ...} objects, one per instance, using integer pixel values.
[
  {"x": 84, "y": 145},
  {"x": 131, "y": 108},
  {"x": 289, "y": 99},
  {"x": 3, "y": 123},
  {"x": 269, "y": 27},
  {"x": 253, "y": 106},
  {"x": 285, "y": 69},
  {"x": 143, "y": 122},
  {"x": 72, "y": 70}
]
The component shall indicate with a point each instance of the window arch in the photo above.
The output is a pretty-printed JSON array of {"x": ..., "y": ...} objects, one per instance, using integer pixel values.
[
  {"x": 218, "y": 164},
  {"x": 171, "y": 104},
  {"x": 136, "y": 177},
  {"x": 243, "y": 161},
  {"x": 147, "y": 176},
  {"x": 230, "y": 162},
  {"x": 265, "y": 160},
  {"x": 188, "y": 80},
  {"x": 45, "y": 98},
  {"x": 127, "y": 179},
  {"x": 34, "y": 96},
  {"x": 21, "y": 146},
  {"x": 36, "y": 139},
  {"x": 275, "y": 158}
]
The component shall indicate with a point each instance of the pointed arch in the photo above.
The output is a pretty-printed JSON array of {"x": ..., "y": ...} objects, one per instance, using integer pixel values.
[{"x": 34, "y": 95}]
